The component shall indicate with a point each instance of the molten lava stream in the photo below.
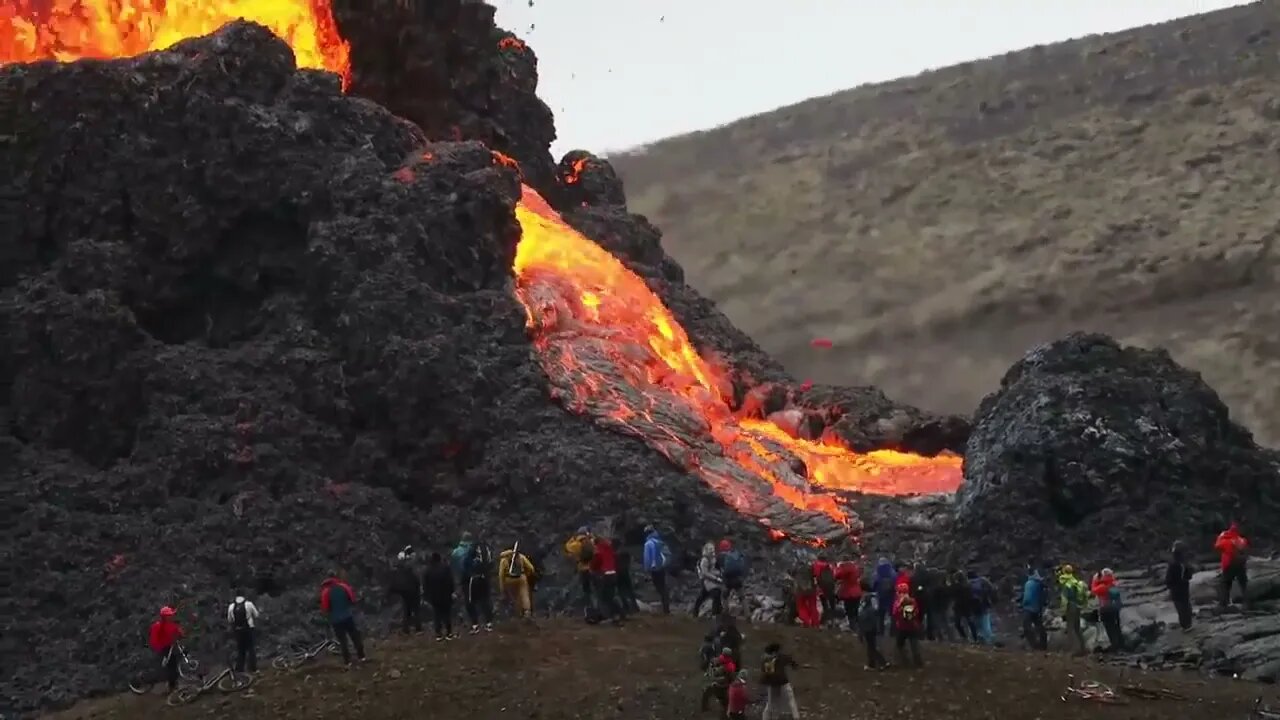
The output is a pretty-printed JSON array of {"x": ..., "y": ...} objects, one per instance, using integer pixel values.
[
  {"x": 72, "y": 29},
  {"x": 613, "y": 351}
]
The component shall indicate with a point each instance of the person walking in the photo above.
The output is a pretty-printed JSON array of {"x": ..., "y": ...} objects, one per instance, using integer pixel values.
[
  {"x": 472, "y": 562},
  {"x": 338, "y": 602},
  {"x": 242, "y": 616},
  {"x": 779, "y": 695},
  {"x": 1177, "y": 578},
  {"x": 657, "y": 562},
  {"x": 1074, "y": 596},
  {"x": 438, "y": 586}
]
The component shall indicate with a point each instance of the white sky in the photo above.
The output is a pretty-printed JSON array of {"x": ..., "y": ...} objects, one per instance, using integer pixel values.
[{"x": 620, "y": 73}]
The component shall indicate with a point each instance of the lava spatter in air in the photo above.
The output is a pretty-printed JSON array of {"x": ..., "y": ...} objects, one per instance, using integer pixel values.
[
  {"x": 613, "y": 351},
  {"x": 67, "y": 30}
]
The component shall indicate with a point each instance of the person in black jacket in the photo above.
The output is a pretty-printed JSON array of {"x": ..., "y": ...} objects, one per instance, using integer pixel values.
[
  {"x": 437, "y": 582},
  {"x": 1177, "y": 578},
  {"x": 626, "y": 589},
  {"x": 405, "y": 585}
]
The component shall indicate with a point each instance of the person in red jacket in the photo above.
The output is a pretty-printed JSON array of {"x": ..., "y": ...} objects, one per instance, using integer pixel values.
[
  {"x": 1103, "y": 587},
  {"x": 907, "y": 622},
  {"x": 1233, "y": 549},
  {"x": 849, "y": 590},
  {"x": 604, "y": 566},
  {"x": 163, "y": 639},
  {"x": 806, "y": 595}
]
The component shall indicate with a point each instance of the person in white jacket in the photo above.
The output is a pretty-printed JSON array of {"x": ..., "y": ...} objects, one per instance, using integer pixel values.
[
  {"x": 242, "y": 615},
  {"x": 712, "y": 582}
]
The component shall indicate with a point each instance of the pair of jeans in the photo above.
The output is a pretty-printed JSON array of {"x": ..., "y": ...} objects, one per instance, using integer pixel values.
[
  {"x": 346, "y": 631},
  {"x": 1033, "y": 630},
  {"x": 986, "y": 635}
]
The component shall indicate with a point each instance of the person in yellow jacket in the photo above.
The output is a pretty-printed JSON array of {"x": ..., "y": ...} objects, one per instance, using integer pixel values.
[
  {"x": 1074, "y": 595},
  {"x": 514, "y": 573},
  {"x": 580, "y": 548}
]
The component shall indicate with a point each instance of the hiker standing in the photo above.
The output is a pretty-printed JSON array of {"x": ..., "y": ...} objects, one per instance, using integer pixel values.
[
  {"x": 514, "y": 571},
  {"x": 338, "y": 602},
  {"x": 604, "y": 567},
  {"x": 657, "y": 562},
  {"x": 1104, "y": 589},
  {"x": 870, "y": 628},
  {"x": 1074, "y": 596},
  {"x": 1033, "y": 603},
  {"x": 1234, "y": 550},
  {"x": 579, "y": 548},
  {"x": 473, "y": 563},
  {"x": 437, "y": 584},
  {"x": 406, "y": 585},
  {"x": 1177, "y": 578},
  {"x": 712, "y": 583},
  {"x": 626, "y": 588},
  {"x": 734, "y": 569},
  {"x": 806, "y": 591},
  {"x": 242, "y": 616},
  {"x": 824, "y": 576},
  {"x": 907, "y": 625},
  {"x": 163, "y": 640}
]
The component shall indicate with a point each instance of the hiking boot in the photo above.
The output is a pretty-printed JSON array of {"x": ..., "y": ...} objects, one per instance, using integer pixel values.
[
  {"x": 451, "y": 636},
  {"x": 439, "y": 638},
  {"x": 475, "y": 629},
  {"x": 488, "y": 627}
]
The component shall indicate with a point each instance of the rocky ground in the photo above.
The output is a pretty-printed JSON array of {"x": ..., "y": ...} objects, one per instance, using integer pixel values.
[
  {"x": 936, "y": 227},
  {"x": 648, "y": 669}
]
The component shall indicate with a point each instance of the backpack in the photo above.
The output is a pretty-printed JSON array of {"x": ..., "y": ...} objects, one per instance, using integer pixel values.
[
  {"x": 480, "y": 561},
  {"x": 664, "y": 555},
  {"x": 804, "y": 581},
  {"x": 719, "y": 674},
  {"x": 1077, "y": 593},
  {"x": 908, "y": 610},
  {"x": 734, "y": 564},
  {"x": 240, "y": 616},
  {"x": 769, "y": 669},
  {"x": 826, "y": 578}
]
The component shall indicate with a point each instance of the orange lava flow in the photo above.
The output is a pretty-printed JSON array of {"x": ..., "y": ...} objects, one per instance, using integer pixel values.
[
  {"x": 658, "y": 354},
  {"x": 68, "y": 30}
]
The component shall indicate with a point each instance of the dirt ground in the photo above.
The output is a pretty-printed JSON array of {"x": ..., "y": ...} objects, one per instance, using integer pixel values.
[
  {"x": 565, "y": 669},
  {"x": 937, "y": 227}
]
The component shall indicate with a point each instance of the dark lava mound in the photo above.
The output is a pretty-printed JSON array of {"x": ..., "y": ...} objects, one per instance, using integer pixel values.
[
  {"x": 1097, "y": 454},
  {"x": 252, "y": 330}
]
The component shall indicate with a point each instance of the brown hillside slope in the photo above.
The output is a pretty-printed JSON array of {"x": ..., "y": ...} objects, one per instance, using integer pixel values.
[
  {"x": 935, "y": 227},
  {"x": 565, "y": 669}
]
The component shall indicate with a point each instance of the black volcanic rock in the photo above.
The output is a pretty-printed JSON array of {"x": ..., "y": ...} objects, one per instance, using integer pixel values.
[{"x": 1097, "y": 454}]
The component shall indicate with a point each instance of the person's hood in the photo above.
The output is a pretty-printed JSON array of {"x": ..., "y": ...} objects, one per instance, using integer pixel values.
[
  {"x": 652, "y": 535},
  {"x": 1179, "y": 554},
  {"x": 466, "y": 544},
  {"x": 884, "y": 568},
  {"x": 330, "y": 581}
]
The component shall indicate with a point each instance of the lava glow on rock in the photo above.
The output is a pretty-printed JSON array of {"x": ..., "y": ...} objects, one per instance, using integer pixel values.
[
  {"x": 67, "y": 30},
  {"x": 610, "y": 348}
]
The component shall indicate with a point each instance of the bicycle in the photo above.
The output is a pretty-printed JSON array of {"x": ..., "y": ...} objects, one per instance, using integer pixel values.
[
  {"x": 227, "y": 681},
  {"x": 302, "y": 654},
  {"x": 145, "y": 679},
  {"x": 1146, "y": 693},
  {"x": 1092, "y": 690}
]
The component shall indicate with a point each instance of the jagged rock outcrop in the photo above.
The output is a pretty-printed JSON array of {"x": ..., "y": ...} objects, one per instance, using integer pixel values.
[{"x": 1098, "y": 454}]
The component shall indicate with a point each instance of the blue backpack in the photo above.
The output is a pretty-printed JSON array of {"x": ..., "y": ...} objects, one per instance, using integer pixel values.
[{"x": 735, "y": 564}]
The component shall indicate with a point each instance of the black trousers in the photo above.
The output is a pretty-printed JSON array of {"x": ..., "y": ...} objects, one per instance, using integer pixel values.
[
  {"x": 246, "y": 650},
  {"x": 1182, "y": 603},
  {"x": 909, "y": 638},
  {"x": 964, "y": 622},
  {"x": 585, "y": 582},
  {"x": 715, "y": 595},
  {"x": 1111, "y": 623},
  {"x": 347, "y": 632},
  {"x": 1033, "y": 630},
  {"x": 660, "y": 585},
  {"x": 608, "y": 589},
  {"x": 875, "y": 659},
  {"x": 412, "y": 613},
  {"x": 627, "y": 595},
  {"x": 1231, "y": 575},
  {"x": 479, "y": 601},
  {"x": 171, "y": 659},
  {"x": 829, "y": 604},
  {"x": 442, "y": 616},
  {"x": 851, "y": 613}
]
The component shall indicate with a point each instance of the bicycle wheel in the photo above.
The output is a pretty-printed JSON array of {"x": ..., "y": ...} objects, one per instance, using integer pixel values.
[
  {"x": 183, "y": 696},
  {"x": 187, "y": 668},
  {"x": 142, "y": 683},
  {"x": 232, "y": 681},
  {"x": 281, "y": 662}
]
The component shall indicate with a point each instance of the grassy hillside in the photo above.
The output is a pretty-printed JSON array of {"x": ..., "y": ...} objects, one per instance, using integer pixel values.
[
  {"x": 563, "y": 669},
  {"x": 936, "y": 227}
]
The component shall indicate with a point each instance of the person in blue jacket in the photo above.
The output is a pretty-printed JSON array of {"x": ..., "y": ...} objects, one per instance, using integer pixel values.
[
  {"x": 884, "y": 586},
  {"x": 1034, "y": 596},
  {"x": 657, "y": 561}
]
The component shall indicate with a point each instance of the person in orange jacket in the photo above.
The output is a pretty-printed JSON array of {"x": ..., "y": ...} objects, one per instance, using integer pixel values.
[
  {"x": 1234, "y": 550},
  {"x": 849, "y": 590},
  {"x": 163, "y": 639}
]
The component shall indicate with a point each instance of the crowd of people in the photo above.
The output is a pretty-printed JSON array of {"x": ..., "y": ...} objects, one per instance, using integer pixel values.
[{"x": 906, "y": 603}]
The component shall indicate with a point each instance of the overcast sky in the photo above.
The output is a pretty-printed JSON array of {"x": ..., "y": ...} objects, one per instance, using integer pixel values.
[{"x": 620, "y": 73}]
